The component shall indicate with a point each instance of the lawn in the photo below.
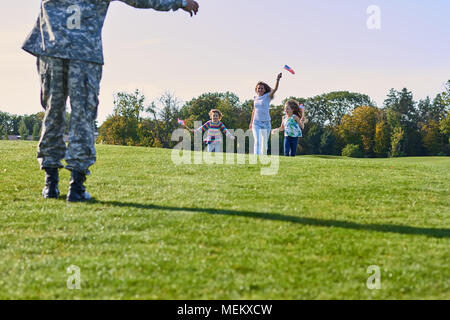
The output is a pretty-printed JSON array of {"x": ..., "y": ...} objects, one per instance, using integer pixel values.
[{"x": 160, "y": 231}]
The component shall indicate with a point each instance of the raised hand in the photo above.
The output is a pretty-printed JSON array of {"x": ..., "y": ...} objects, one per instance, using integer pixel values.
[
  {"x": 191, "y": 7},
  {"x": 279, "y": 76}
]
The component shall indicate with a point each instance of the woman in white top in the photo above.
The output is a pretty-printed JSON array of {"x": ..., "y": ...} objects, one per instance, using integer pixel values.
[{"x": 260, "y": 123}]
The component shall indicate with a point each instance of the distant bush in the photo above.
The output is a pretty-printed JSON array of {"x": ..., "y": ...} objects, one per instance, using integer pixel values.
[{"x": 353, "y": 151}]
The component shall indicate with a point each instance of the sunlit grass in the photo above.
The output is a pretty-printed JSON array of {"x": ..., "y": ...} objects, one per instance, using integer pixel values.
[{"x": 160, "y": 231}]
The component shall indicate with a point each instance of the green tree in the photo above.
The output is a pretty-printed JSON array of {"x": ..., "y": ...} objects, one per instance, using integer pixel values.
[
  {"x": 444, "y": 127},
  {"x": 329, "y": 108},
  {"x": 236, "y": 115},
  {"x": 445, "y": 124},
  {"x": 14, "y": 124},
  {"x": 353, "y": 151},
  {"x": 244, "y": 115},
  {"x": 36, "y": 132},
  {"x": 366, "y": 118},
  {"x": 433, "y": 139},
  {"x": 167, "y": 110},
  {"x": 382, "y": 139},
  {"x": 397, "y": 137},
  {"x": 359, "y": 128},
  {"x": 402, "y": 112},
  {"x": 313, "y": 138},
  {"x": 122, "y": 127},
  {"x": 147, "y": 129},
  {"x": 432, "y": 110},
  {"x": 403, "y": 103},
  {"x": 107, "y": 132},
  {"x": 343, "y": 102},
  {"x": 4, "y": 118},
  {"x": 276, "y": 115},
  {"x": 327, "y": 141},
  {"x": 424, "y": 109},
  {"x": 445, "y": 96},
  {"x": 23, "y": 130}
]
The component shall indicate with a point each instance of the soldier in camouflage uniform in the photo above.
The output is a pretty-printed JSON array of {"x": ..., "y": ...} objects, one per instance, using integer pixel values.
[{"x": 67, "y": 43}]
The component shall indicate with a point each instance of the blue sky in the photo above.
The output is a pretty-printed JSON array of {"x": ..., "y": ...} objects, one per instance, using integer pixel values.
[{"x": 232, "y": 44}]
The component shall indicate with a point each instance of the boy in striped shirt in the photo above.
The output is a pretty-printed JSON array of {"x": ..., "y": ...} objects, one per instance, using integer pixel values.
[{"x": 214, "y": 129}]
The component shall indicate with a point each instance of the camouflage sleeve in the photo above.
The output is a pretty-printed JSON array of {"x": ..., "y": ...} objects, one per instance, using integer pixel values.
[{"x": 160, "y": 5}]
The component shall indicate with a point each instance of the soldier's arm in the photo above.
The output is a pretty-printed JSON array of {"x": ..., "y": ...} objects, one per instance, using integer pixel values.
[{"x": 164, "y": 5}]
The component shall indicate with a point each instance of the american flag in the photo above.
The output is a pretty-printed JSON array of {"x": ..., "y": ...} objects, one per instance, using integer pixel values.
[{"x": 289, "y": 69}]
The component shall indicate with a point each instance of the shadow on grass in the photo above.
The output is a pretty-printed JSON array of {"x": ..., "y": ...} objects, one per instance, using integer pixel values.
[{"x": 430, "y": 232}]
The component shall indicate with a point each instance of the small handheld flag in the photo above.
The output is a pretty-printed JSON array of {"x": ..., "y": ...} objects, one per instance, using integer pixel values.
[
  {"x": 302, "y": 107},
  {"x": 181, "y": 122},
  {"x": 289, "y": 69}
]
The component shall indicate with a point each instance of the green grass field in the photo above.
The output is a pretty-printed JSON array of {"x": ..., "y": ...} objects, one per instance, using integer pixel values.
[{"x": 160, "y": 231}]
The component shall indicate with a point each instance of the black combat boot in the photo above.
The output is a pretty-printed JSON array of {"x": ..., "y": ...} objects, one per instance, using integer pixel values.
[
  {"x": 51, "y": 190},
  {"x": 77, "y": 191}
]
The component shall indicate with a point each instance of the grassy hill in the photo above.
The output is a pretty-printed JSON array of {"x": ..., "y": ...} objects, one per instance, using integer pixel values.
[{"x": 160, "y": 231}]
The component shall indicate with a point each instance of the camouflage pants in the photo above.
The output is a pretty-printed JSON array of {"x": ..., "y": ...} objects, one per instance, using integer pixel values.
[{"x": 80, "y": 81}]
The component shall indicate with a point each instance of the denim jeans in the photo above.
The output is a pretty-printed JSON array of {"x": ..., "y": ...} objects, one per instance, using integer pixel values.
[
  {"x": 214, "y": 147},
  {"x": 261, "y": 133},
  {"x": 290, "y": 146}
]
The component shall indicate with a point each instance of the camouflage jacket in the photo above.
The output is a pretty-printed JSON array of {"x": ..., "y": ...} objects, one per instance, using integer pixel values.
[{"x": 72, "y": 29}]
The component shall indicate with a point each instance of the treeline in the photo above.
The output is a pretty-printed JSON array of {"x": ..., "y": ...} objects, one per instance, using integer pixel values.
[
  {"x": 23, "y": 126},
  {"x": 26, "y": 126},
  {"x": 339, "y": 123}
]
